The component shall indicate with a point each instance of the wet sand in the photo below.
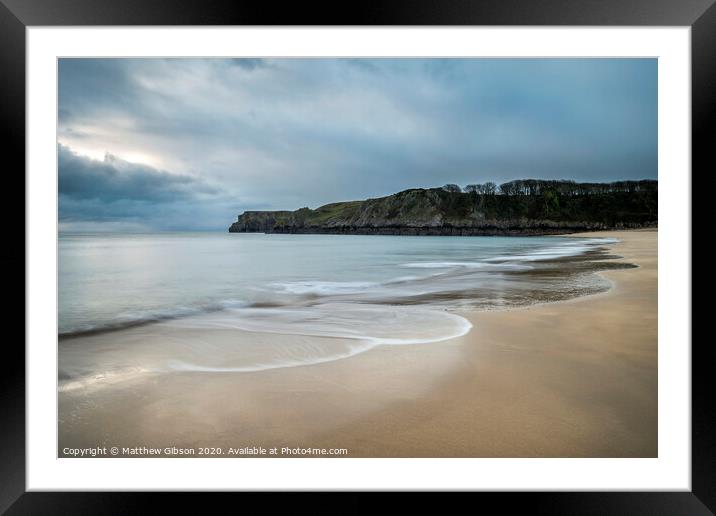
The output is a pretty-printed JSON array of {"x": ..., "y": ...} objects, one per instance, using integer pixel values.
[{"x": 569, "y": 379}]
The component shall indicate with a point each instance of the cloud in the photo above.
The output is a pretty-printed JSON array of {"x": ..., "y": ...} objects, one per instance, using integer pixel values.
[
  {"x": 249, "y": 63},
  {"x": 115, "y": 179},
  {"x": 286, "y": 133},
  {"x": 118, "y": 195}
]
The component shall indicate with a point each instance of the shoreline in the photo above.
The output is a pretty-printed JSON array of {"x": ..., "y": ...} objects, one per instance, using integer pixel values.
[
  {"x": 449, "y": 231},
  {"x": 524, "y": 382}
]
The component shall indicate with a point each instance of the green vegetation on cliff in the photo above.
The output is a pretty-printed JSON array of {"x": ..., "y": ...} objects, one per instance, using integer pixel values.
[{"x": 519, "y": 207}]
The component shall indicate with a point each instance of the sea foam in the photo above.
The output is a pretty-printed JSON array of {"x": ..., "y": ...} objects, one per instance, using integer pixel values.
[{"x": 253, "y": 339}]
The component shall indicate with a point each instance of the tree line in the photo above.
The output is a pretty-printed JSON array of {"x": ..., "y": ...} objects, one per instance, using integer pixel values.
[{"x": 563, "y": 187}]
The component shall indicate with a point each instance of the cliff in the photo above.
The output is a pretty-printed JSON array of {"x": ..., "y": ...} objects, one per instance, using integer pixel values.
[{"x": 437, "y": 211}]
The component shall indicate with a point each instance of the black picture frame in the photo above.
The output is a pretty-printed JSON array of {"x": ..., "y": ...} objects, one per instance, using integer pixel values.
[{"x": 17, "y": 15}]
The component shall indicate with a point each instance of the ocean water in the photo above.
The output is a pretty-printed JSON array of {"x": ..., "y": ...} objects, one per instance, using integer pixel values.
[{"x": 222, "y": 302}]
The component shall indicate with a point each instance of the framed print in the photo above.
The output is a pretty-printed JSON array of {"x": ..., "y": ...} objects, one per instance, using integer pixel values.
[{"x": 426, "y": 251}]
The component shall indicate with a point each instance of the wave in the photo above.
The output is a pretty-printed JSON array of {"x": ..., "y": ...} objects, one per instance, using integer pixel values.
[
  {"x": 452, "y": 279},
  {"x": 254, "y": 339},
  {"x": 102, "y": 379},
  {"x": 325, "y": 287},
  {"x": 136, "y": 318},
  {"x": 389, "y": 325},
  {"x": 573, "y": 248},
  {"x": 177, "y": 365},
  {"x": 468, "y": 265},
  {"x": 506, "y": 262}
]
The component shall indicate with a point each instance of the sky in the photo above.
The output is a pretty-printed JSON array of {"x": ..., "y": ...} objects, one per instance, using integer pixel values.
[{"x": 189, "y": 144}]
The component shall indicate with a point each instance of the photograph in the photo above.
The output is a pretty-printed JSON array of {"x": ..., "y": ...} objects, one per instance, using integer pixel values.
[{"x": 365, "y": 257}]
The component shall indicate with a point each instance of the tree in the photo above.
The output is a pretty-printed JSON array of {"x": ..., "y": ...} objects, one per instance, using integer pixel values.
[
  {"x": 508, "y": 188},
  {"x": 452, "y": 188},
  {"x": 473, "y": 188},
  {"x": 551, "y": 201}
]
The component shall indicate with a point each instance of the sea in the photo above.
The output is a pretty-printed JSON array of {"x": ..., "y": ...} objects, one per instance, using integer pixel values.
[{"x": 132, "y": 304}]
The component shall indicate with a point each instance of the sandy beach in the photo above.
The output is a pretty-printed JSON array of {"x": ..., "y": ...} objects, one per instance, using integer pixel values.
[{"x": 567, "y": 379}]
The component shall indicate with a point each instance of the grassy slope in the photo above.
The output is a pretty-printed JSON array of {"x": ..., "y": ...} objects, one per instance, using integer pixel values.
[{"x": 436, "y": 207}]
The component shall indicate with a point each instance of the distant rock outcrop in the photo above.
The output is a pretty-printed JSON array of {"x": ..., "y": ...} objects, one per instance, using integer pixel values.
[{"x": 528, "y": 207}]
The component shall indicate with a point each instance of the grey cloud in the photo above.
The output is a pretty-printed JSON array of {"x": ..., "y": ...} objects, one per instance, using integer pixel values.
[
  {"x": 249, "y": 63},
  {"x": 114, "y": 194},
  {"x": 115, "y": 179}
]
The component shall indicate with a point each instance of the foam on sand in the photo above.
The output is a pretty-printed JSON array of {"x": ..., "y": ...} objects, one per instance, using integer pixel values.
[{"x": 252, "y": 339}]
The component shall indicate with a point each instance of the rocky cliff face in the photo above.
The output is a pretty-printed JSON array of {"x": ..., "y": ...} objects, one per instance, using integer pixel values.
[{"x": 438, "y": 212}]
